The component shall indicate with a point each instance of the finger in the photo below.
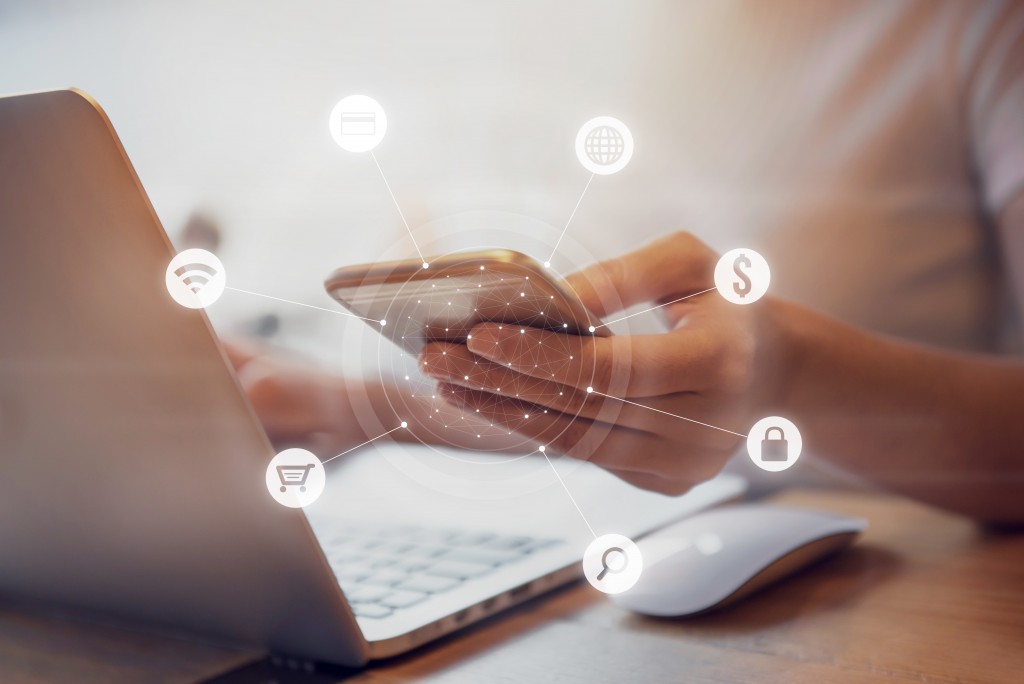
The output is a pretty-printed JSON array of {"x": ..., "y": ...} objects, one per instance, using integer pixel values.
[
  {"x": 627, "y": 365},
  {"x": 605, "y": 445},
  {"x": 455, "y": 364},
  {"x": 670, "y": 267},
  {"x": 241, "y": 351}
]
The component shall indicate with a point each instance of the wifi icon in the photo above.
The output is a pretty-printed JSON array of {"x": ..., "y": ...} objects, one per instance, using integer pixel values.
[{"x": 195, "y": 278}]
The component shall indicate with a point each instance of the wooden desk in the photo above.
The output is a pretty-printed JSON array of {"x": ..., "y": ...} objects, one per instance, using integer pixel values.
[{"x": 924, "y": 597}]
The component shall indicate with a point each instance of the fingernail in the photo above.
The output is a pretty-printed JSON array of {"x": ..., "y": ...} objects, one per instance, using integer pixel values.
[{"x": 484, "y": 340}]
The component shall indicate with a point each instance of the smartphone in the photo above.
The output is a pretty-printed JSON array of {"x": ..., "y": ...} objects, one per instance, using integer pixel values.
[{"x": 412, "y": 305}]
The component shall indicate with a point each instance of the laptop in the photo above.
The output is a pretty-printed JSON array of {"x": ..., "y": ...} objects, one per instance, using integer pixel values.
[{"x": 133, "y": 468}]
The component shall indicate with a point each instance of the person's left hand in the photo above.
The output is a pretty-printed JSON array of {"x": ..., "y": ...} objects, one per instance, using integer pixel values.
[{"x": 667, "y": 410}]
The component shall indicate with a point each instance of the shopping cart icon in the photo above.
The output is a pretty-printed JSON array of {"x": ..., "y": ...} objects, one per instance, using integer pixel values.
[{"x": 294, "y": 475}]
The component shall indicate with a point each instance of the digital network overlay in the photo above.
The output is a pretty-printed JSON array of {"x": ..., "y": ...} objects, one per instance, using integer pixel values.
[{"x": 612, "y": 563}]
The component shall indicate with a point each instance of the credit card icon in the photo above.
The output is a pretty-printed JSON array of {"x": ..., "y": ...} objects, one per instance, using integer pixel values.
[{"x": 358, "y": 123}]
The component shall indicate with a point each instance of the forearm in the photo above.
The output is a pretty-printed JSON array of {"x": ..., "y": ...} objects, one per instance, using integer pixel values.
[{"x": 945, "y": 428}]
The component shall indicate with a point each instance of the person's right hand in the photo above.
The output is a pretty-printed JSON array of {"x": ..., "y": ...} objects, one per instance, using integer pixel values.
[{"x": 662, "y": 411}]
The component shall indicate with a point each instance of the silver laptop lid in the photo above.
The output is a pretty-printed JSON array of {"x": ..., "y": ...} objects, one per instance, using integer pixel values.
[{"x": 131, "y": 468}]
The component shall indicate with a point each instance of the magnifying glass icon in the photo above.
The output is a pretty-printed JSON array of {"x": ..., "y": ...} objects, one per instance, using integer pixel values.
[{"x": 614, "y": 567}]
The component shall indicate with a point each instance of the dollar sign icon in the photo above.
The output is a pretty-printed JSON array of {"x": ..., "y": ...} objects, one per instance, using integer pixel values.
[{"x": 742, "y": 287}]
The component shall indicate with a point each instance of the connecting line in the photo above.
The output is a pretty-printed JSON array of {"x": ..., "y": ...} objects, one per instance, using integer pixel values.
[
  {"x": 308, "y": 306},
  {"x": 650, "y": 408},
  {"x": 555, "y": 470},
  {"x": 674, "y": 301},
  {"x": 388, "y": 186},
  {"x": 585, "y": 188},
  {"x": 403, "y": 425}
]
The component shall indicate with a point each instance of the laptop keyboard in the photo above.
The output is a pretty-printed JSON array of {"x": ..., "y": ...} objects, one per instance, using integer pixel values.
[{"x": 384, "y": 569}]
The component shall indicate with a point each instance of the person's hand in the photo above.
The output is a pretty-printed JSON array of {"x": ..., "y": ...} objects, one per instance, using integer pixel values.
[
  {"x": 693, "y": 382},
  {"x": 294, "y": 400}
]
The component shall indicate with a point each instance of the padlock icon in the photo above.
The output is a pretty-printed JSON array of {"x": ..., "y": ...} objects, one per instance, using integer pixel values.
[{"x": 774, "y": 450}]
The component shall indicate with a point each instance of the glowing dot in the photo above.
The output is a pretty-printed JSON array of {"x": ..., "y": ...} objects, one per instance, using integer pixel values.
[
  {"x": 469, "y": 337},
  {"x": 542, "y": 448},
  {"x": 465, "y": 377},
  {"x": 547, "y": 264},
  {"x": 481, "y": 268},
  {"x": 404, "y": 424},
  {"x": 522, "y": 294},
  {"x": 426, "y": 265},
  {"x": 383, "y": 322},
  {"x": 526, "y": 415},
  {"x": 592, "y": 328},
  {"x": 565, "y": 325},
  {"x": 590, "y": 390},
  {"x": 522, "y": 331}
]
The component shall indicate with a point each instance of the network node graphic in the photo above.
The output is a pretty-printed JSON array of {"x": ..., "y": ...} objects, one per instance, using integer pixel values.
[
  {"x": 358, "y": 123},
  {"x": 774, "y": 444},
  {"x": 742, "y": 276},
  {"x": 195, "y": 278},
  {"x": 604, "y": 145},
  {"x": 295, "y": 478},
  {"x": 612, "y": 563}
]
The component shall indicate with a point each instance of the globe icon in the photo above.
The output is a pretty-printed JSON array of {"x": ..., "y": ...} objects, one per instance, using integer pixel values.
[{"x": 604, "y": 145}]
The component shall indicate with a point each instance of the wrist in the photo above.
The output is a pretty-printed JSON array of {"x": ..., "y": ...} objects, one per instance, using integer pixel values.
[{"x": 787, "y": 337}]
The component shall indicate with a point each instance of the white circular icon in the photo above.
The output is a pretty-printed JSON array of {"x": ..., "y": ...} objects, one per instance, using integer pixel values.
[
  {"x": 742, "y": 276},
  {"x": 195, "y": 278},
  {"x": 604, "y": 145},
  {"x": 612, "y": 563},
  {"x": 358, "y": 123},
  {"x": 295, "y": 478},
  {"x": 774, "y": 444}
]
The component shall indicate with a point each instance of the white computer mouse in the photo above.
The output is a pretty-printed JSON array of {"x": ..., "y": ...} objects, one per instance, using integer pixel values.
[{"x": 717, "y": 557}]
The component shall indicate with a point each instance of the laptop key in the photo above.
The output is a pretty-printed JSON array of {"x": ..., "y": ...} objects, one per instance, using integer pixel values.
[
  {"x": 365, "y": 593},
  {"x": 506, "y": 543},
  {"x": 342, "y": 558},
  {"x": 539, "y": 545},
  {"x": 371, "y": 610},
  {"x": 387, "y": 578},
  {"x": 482, "y": 556},
  {"x": 351, "y": 574},
  {"x": 411, "y": 566},
  {"x": 469, "y": 538},
  {"x": 422, "y": 551},
  {"x": 403, "y": 599},
  {"x": 457, "y": 570},
  {"x": 428, "y": 584}
]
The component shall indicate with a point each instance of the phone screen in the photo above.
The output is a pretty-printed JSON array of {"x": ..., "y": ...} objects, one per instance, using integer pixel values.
[{"x": 444, "y": 304}]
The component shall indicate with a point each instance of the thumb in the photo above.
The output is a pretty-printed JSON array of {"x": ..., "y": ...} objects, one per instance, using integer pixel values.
[{"x": 670, "y": 267}]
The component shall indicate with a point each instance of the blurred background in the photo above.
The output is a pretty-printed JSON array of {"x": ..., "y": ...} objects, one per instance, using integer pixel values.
[{"x": 804, "y": 130}]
